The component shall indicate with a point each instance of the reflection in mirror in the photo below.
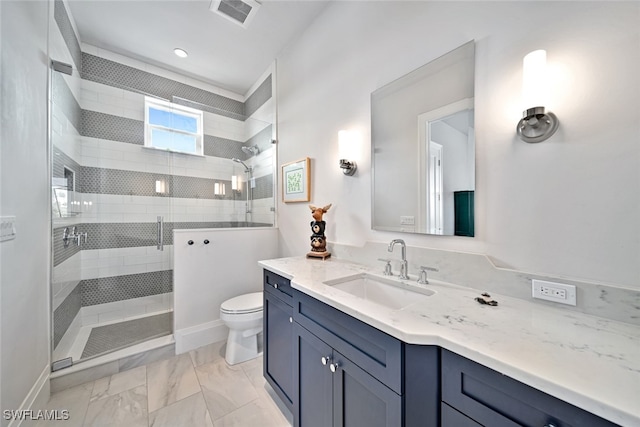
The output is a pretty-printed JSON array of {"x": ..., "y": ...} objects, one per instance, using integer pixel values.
[{"x": 423, "y": 148}]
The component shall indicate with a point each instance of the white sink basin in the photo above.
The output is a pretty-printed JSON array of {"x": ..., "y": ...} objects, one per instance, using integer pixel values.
[{"x": 388, "y": 293}]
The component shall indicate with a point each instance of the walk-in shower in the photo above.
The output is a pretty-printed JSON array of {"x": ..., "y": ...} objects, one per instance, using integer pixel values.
[{"x": 112, "y": 287}]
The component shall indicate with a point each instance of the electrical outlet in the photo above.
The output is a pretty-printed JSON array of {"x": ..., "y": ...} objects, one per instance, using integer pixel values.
[
  {"x": 407, "y": 220},
  {"x": 552, "y": 291},
  {"x": 7, "y": 228}
]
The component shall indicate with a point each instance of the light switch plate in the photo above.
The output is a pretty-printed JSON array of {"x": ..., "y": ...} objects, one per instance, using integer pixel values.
[{"x": 7, "y": 228}]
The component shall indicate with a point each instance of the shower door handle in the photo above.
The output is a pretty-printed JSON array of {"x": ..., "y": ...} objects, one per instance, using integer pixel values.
[{"x": 160, "y": 236}]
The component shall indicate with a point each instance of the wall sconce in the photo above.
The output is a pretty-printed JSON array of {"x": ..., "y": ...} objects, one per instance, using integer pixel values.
[
  {"x": 219, "y": 189},
  {"x": 236, "y": 184},
  {"x": 346, "y": 151},
  {"x": 536, "y": 124},
  {"x": 161, "y": 186}
]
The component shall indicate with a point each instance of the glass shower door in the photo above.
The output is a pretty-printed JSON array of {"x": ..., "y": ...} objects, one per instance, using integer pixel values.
[{"x": 112, "y": 278}]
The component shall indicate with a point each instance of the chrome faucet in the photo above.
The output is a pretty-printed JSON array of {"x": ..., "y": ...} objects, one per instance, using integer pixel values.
[{"x": 404, "y": 267}]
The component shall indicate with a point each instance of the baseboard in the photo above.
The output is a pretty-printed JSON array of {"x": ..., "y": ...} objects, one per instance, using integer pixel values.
[
  {"x": 37, "y": 397},
  {"x": 197, "y": 336}
]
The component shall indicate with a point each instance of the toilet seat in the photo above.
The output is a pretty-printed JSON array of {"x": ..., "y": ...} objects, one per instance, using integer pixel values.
[{"x": 243, "y": 304}]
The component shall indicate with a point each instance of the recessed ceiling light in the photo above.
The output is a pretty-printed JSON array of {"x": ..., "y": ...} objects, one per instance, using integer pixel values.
[{"x": 180, "y": 52}]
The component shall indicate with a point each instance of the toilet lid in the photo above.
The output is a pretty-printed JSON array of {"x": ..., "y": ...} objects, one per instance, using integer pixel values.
[{"x": 247, "y": 303}]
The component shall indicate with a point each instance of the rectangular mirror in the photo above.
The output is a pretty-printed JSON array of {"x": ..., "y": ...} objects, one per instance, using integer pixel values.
[{"x": 423, "y": 148}]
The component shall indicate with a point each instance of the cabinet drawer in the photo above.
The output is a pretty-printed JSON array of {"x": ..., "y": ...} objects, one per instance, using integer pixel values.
[
  {"x": 369, "y": 348},
  {"x": 495, "y": 400},
  {"x": 278, "y": 286}
]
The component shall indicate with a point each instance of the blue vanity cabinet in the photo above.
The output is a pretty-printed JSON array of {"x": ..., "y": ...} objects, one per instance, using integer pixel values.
[
  {"x": 331, "y": 390},
  {"x": 278, "y": 336},
  {"x": 474, "y": 395},
  {"x": 350, "y": 374}
]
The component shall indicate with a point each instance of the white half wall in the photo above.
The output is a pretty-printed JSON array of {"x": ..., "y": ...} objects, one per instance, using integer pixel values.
[
  {"x": 566, "y": 207},
  {"x": 206, "y": 275}
]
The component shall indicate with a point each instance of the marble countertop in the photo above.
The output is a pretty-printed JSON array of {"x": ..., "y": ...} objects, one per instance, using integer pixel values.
[{"x": 590, "y": 362}]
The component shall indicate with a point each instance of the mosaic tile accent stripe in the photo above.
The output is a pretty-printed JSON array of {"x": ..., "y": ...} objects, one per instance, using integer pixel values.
[
  {"x": 63, "y": 315},
  {"x": 64, "y": 100},
  {"x": 207, "y": 108},
  {"x": 263, "y": 188},
  {"x": 119, "y": 288},
  {"x": 222, "y": 147},
  {"x": 122, "y": 76},
  {"x": 60, "y": 253},
  {"x": 262, "y": 139},
  {"x": 66, "y": 29},
  {"x": 258, "y": 97},
  {"x": 113, "y": 128},
  {"x": 122, "y": 129},
  {"x": 138, "y": 234},
  {"x": 132, "y": 183}
]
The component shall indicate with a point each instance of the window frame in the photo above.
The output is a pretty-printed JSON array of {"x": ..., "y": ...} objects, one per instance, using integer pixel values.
[{"x": 171, "y": 107}]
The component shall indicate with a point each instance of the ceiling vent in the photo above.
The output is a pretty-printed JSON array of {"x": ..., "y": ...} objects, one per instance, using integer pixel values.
[{"x": 239, "y": 11}]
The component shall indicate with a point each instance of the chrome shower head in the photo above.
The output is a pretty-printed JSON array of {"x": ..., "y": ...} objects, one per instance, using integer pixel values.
[
  {"x": 246, "y": 168},
  {"x": 251, "y": 150}
]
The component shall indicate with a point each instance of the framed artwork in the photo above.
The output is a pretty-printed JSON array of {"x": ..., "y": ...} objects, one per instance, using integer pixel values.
[{"x": 296, "y": 181}]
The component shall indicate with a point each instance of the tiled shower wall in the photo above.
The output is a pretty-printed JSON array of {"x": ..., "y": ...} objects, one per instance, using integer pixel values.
[{"x": 98, "y": 132}]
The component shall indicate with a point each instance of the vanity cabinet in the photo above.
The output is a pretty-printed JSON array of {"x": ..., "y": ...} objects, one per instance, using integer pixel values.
[
  {"x": 350, "y": 374},
  {"x": 474, "y": 395},
  {"x": 278, "y": 336},
  {"x": 331, "y": 390}
]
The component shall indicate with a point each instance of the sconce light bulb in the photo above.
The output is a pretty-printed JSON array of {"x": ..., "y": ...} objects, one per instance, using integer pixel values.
[{"x": 535, "y": 87}]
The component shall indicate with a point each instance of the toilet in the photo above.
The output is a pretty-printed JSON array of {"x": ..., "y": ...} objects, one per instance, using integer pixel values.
[{"x": 243, "y": 317}]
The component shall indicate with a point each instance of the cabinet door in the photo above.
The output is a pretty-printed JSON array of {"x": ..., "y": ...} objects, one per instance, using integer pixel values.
[
  {"x": 278, "y": 343},
  {"x": 313, "y": 406},
  {"x": 359, "y": 400}
]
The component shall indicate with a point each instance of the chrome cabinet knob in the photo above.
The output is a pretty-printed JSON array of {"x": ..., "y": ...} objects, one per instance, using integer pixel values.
[
  {"x": 325, "y": 359},
  {"x": 334, "y": 367},
  {"x": 275, "y": 286},
  {"x": 290, "y": 319}
]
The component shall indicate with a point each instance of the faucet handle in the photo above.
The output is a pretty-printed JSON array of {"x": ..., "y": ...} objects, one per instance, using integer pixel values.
[
  {"x": 387, "y": 268},
  {"x": 422, "y": 279}
]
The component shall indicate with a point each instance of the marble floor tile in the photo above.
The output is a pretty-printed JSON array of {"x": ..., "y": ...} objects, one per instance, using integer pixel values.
[
  {"x": 258, "y": 412},
  {"x": 188, "y": 412},
  {"x": 254, "y": 371},
  {"x": 171, "y": 380},
  {"x": 208, "y": 353},
  {"x": 126, "y": 409},
  {"x": 225, "y": 388},
  {"x": 118, "y": 383},
  {"x": 75, "y": 400}
]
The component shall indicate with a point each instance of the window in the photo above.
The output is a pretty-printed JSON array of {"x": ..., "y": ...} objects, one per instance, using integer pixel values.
[{"x": 172, "y": 127}]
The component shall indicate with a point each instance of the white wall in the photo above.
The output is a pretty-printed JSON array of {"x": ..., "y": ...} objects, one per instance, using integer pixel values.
[
  {"x": 206, "y": 275},
  {"x": 565, "y": 207},
  {"x": 24, "y": 312}
]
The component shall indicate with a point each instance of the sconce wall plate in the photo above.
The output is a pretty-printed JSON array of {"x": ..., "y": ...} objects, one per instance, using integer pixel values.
[
  {"x": 348, "y": 168},
  {"x": 537, "y": 125}
]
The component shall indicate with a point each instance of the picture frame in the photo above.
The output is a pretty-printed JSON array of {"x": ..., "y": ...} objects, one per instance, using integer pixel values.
[{"x": 296, "y": 181}]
